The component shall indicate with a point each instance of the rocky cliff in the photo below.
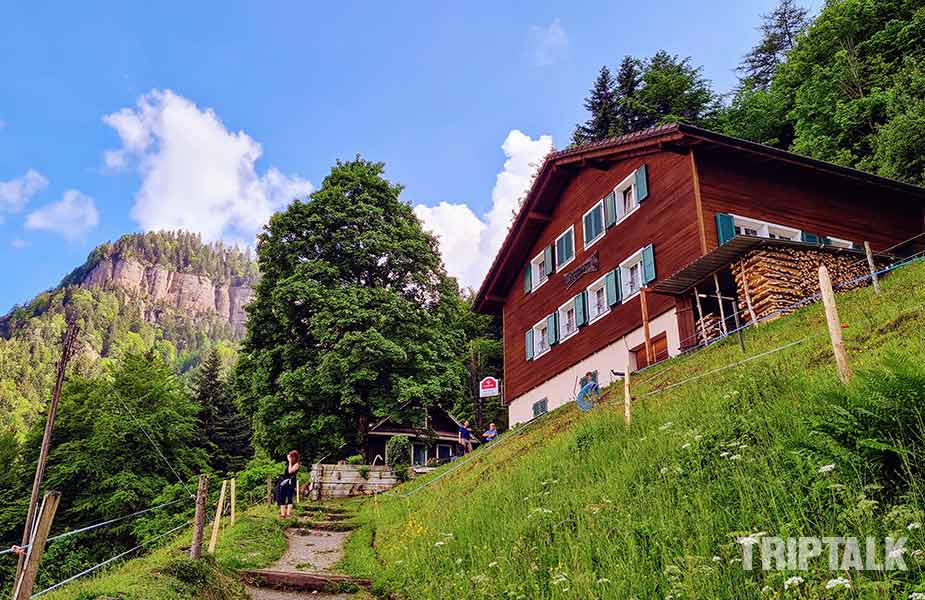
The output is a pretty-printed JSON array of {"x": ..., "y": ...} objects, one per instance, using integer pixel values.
[{"x": 158, "y": 288}]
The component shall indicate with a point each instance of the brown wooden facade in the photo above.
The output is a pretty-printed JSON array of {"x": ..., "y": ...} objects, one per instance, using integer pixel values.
[{"x": 693, "y": 174}]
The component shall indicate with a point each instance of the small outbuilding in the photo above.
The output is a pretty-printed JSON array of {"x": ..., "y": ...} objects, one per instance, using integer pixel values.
[{"x": 433, "y": 432}]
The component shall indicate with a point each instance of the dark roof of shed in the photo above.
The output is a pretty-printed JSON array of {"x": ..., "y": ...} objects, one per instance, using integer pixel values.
[{"x": 559, "y": 167}]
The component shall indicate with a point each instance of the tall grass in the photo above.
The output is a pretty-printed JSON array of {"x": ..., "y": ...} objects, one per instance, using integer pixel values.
[{"x": 579, "y": 506}]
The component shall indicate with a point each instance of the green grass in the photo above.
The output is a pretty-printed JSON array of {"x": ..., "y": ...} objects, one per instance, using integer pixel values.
[
  {"x": 256, "y": 540},
  {"x": 579, "y": 506}
]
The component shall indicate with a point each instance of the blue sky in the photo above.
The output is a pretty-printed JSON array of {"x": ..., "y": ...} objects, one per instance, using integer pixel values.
[{"x": 119, "y": 117}]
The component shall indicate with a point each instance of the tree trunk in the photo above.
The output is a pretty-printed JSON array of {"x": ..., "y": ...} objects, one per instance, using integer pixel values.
[{"x": 363, "y": 430}]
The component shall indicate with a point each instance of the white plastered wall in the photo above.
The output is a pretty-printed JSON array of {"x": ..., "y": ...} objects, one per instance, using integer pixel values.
[{"x": 561, "y": 389}]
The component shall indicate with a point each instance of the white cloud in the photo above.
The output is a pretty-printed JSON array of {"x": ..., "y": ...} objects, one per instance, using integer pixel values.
[
  {"x": 196, "y": 174},
  {"x": 16, "y": 193},
  {"x": 546, "y": 45},
  {"x": 19, "y": 243},
  {"x": 74, "y": 215},
  {"x": 469, "y": 243}
]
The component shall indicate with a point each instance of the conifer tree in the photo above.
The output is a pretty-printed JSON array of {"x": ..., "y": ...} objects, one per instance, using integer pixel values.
[
  {"x": 602, "y": 106},
  {"x": 629, "y": 78},
  {"x": 225, "y": 428},
  {"x": 779, "y": 33}
]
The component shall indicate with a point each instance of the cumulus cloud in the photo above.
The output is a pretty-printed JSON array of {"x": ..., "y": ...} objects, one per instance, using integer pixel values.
[
  {"x": 73, "y": 216},
  {"x": 469, "y": 243},
  {"x": 546, "y": 45},
  {"x": 16, "y": 193},
  {"x": 196, "y": 174}
]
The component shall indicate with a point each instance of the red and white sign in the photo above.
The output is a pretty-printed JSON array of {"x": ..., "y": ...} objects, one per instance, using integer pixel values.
[{"x": 488, "y": 387}]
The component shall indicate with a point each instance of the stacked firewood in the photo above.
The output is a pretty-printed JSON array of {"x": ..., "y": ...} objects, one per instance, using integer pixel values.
[
  {"x": 777, "y": 279},
  {"x": 710, "y": 326}
]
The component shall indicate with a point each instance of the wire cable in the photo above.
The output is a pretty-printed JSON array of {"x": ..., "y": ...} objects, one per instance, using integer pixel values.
[{"x": 108, "y": 561}]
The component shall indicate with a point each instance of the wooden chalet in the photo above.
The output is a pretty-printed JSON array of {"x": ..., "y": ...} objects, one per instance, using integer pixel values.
[
  {"x": 637, "y": 248},
  {"x": 433, "y": 433}
]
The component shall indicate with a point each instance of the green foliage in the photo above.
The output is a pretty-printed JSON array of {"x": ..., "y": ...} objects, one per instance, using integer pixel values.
[
  {"x": 580, "y": 501},
  {"x": 663, "y": 89},
  {"x": 356, "y": 459},
  {"x": 780, "y": 30},
  {"x": 398, "y": 450},
  {"x": 353, "y": 317},
  {"x": 227, "y": 431},
  {"x": 363, "y": 471},
  {"x": 850, "y": 91}
]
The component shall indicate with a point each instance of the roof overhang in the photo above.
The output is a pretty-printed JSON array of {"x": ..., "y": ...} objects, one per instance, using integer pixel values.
[
  {"x": 704, "y": 267},
  {"x": 560, "y": 167}
]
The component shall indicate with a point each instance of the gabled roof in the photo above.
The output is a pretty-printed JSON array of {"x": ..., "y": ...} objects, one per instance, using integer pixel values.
[{"x": 560, "y": 167}]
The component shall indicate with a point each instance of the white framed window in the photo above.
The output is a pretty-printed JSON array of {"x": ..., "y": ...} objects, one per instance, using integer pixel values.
[
  {"x": 565, "y": 248},
  {"x": 626, "y": 197},
  {"x": 756, "y": 228},
  {"x": 540, "y": 338},
  {"x": 597, "y": 300},
  {"x": 540, "y": 407},
  {"x": 593, "y": 224},
  {"x": 538, "y": 266},
  {"x": 631, "y": 276},
  {"x": 839, "y": 243},
  {"x": 444, "y": 451},
  {"x": 568, "y": 324}
]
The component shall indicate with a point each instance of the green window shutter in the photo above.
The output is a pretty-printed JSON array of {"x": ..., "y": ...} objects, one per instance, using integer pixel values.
[
  {"x": 598, "y": 222},
  {"x": 547, "y": 258},
  {"x": 561, "y": 254},
  {"x": 552, "y": 329},
  {"x": 810, "y": 238},
  {"x": 529, "y": 343},
  {"x": 642, "y": 184},
  {"x": 528, "y": 279},
  {"x": 611, "y": 289},
  {"x": 610, "y": 209},
  {"x": 570, "y": 244},
  {"x": 825, "y": 241},
  {"x": 725, "y": 228},
  {"x": 581, "y": 309},
  {"x": 648, "y": 264},
  {"x": 588, "y": 226}
]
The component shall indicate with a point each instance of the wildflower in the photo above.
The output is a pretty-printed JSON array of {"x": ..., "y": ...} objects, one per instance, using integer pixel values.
[
  {"x": 767, "y": 590},
  {"x": 717, "y": 559},
  {"x": 458, "y": 561},
  {"x": 604, "y": 580},
  {"x": 440, "y": 543},
  {"x": 735, "y": 457},
  {"x": 914, "y": 525},
  {"x": 834, "y": 584},
  {"x": 827, "y": 468},
  {"x": 663, "y": 470},
  {"x": 917, "y": 596},
  {"x": 793, "y": 582},
  {"x": 686, "y": 446},
  {"x": 667, "y": 425},
  {"x": 723, "y": 454}
]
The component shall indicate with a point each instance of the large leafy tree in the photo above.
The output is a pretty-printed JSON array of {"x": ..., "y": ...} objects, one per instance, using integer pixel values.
[
  {"x": 353, "y": 319},
  {"x": 850, "y": 91}
]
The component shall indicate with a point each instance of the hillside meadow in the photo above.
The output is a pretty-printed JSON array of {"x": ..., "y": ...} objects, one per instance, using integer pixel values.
[{"x": 577, "y": 505}]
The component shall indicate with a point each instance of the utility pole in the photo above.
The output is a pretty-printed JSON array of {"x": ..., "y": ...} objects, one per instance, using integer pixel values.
[{"x": 67, "y": 351}]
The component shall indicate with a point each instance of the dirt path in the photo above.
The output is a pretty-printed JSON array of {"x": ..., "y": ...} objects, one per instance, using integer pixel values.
[{"x": 310, "y": 551}]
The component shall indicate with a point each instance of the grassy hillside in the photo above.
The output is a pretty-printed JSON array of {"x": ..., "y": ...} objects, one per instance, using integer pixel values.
[
  {"x": 578, "y": 506},
  {"x": 167, "y": 573}
]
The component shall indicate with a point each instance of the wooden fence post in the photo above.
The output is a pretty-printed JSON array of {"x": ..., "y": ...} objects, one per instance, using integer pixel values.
[
  {"x": 269, "y": 490},
  {"x": 873, "y": 267},
  {"x": 297, "y": 494},
  {"x": 719, "y": 300},
  {"x": 36, "y": 549},
  {"x": 199, "y": 521},
  {"x": 831, "y": 317},
  {"x": 627, "y": 398},
  {"x": 216, "y": 522},
  {"x": 234, "y": 501}
]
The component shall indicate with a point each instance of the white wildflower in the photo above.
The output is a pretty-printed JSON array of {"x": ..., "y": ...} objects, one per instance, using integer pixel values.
[
  {"x": 440, "y": 543},
  {"x": 602, "y": 581},
  {"x": 735, "y": 457},
  {"x": 793, "y": 582},
  {"x": 458, "y": 561},
  {"x": 493, "y": 564},
  {"x": 767, "y": 590},
  {"x": 917, "y": 596},
  {"x": 717, "y": 559},
  {"x": 827, "y": 468},
  {"x": 663, "y": 470},
  {"x": 838, "y": 582},
  {"x": 724, "y": 454},
  {"x": 667, "y": 425},
  {"x": 914, "y": 525}
]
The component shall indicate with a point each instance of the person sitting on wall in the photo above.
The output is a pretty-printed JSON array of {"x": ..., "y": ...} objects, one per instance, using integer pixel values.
[
  {"x": 491, "y": 434},
  {"x": 465, "y": 437}
]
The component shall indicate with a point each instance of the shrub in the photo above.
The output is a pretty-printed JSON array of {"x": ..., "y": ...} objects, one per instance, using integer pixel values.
[
  {"x": 401, "y": 471},
  {"x": 252, "y": 481},
  {"x": 356, "y": 459},
  {"x": 364, "y": 471},
  {"x": 398, "y": 450}
]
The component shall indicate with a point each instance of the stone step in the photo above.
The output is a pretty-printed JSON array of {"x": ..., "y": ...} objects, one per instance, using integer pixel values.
[
  {"x": 303, "y": 582},
  {"x": 308, "y": 524}
]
